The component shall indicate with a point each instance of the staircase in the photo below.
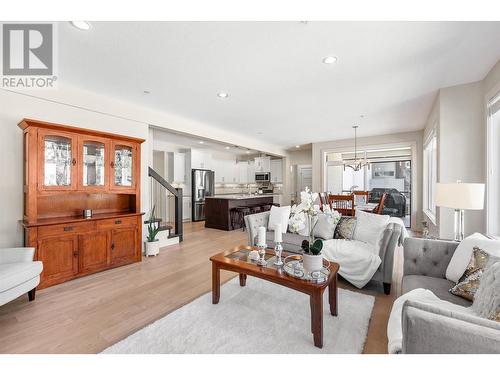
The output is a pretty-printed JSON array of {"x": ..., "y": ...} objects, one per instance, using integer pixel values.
[{"x": 161, "y": 194}]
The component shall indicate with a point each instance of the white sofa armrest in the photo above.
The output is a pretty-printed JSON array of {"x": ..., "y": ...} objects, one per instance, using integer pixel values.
[{"x": 17, "y": 255}]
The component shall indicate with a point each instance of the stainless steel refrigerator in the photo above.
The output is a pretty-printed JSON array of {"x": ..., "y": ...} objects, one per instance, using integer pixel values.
[{"x": 203, "y": 185}]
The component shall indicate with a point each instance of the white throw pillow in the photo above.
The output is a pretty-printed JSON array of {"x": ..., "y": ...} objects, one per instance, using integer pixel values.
[
  {"x": 461, "y": 257},
  {"x": 370, "y": 227},
  {"x": 323, "y": 229},
  {"x": 279, "y": 215}
]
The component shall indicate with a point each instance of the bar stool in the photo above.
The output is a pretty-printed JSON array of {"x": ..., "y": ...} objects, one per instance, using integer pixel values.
[
  {"x": 256, "y": 209},
  {"x": 266, "y": 207},
  {"x": 238, "y": 216}
]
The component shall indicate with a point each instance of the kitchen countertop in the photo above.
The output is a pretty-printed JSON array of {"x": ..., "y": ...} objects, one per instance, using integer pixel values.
[{"x": 242, "y": 196}]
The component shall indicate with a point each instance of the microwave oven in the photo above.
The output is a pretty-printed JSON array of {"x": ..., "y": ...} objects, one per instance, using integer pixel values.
[{"x": 263, "y": 177}]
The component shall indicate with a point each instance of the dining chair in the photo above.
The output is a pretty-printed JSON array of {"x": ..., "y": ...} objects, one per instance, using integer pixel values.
[
  {"x": 378, "y": 210},
  {"x": 342, "y": 203},
  {"x": 360, "y": 197},
  {"x": 323, "y": 199}
]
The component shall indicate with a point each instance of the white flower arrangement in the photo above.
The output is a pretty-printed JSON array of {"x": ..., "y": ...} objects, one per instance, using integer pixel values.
[{"x": 304, "y": 215}]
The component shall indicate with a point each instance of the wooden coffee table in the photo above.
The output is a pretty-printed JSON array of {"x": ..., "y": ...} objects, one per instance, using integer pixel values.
[{"x": 236, "y": 260}]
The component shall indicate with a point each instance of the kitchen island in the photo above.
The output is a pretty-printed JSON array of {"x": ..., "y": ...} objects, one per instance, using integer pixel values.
[{"x": 218, "y": 208}]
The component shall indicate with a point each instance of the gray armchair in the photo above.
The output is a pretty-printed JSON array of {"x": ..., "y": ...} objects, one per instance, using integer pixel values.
[{"x": 430, "y": 329}]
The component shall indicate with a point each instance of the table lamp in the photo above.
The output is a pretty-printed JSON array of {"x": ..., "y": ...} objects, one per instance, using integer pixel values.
[{"x": 460, "y": 196}]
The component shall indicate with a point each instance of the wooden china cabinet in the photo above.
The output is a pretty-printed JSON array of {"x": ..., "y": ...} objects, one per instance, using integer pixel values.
[{"x": 68, "y": 170}]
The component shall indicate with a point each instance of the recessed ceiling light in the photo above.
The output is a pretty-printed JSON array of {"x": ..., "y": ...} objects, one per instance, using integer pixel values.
[
  {"x": 247, "y": 151},
  {"x": 227, "y": 147},
  {"x": 222, "y": 95},
  {"x": 147, "y": 92},
  {"x": 82, "y": 25},
  {"x": 330, "y": 60},
  {"x": 297, "y": 146},
  {"x": 201, "y": 142}
]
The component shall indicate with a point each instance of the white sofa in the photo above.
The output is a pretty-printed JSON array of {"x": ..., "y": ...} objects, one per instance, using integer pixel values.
[{"x": 19, "y": 274}]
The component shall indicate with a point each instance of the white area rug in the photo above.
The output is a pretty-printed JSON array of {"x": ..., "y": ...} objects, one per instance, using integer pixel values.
[{"x": 261, "y": 317}]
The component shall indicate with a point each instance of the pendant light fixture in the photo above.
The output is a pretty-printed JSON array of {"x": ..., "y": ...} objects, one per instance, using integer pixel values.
[{"x": 358, "y": 164}]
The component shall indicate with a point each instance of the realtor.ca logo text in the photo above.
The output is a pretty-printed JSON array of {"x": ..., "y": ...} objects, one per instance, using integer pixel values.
[{"x": 28, "y": 56}]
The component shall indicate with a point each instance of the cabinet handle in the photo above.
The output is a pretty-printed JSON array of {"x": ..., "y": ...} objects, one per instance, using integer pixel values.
[
  {"x": 112, "y": 246},
  {"x": 75, "y": 254},
  {"x": 112, "y": 164},
  {"x": 73, "y": 161},
  {"x": 118, "y": 221},
  {"x": 68, "y": 229}
]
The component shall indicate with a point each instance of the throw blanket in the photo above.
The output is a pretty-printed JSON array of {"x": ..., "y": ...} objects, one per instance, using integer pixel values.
[{"x": 358, "y": 260}]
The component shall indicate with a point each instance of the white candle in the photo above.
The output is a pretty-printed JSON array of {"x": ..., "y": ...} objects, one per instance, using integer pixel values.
[
  {"x": 277, "y": 233},
  {"x": 261, "y": 241}
]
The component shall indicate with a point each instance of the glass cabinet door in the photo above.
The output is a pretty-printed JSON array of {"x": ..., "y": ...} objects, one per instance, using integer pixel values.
[
  {"x": 123, "y": 166},
  {"x": 93, "y": 162},
  {"x": 58, "y": 161}
]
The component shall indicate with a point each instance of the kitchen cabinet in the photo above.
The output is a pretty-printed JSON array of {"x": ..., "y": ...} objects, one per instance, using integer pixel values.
[
  {"x": 242, "y": 169},
  {"x": 201, "y": 159},
  {"x": 179, "y": 167},
  {"x": 251, "y": 172},
  {"x": 186, "y": 208},
  {"x": 276, "y": 170},
  {"x": 225, "y": 171},
  {"x": 263, "y": 164}
]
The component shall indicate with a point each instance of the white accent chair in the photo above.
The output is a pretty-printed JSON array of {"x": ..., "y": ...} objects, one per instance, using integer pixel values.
[{"x": 19, "y": 274}]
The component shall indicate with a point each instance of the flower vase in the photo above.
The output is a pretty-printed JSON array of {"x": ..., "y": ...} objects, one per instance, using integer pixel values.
[{"x": 312, "y": 263}]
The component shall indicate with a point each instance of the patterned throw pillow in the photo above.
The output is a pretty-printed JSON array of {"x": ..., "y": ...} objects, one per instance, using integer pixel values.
[
  {"x": 469, "y": 283},
  {"x": 487, "y": 299},
  {"x": 345, "y": 228}
]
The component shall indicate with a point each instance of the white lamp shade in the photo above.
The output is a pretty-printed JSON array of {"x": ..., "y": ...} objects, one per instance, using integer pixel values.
[{"x": 460, "y": 196}]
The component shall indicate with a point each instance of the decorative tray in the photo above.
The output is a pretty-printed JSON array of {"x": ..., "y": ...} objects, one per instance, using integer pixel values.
[{"x": 293, "y": 267}]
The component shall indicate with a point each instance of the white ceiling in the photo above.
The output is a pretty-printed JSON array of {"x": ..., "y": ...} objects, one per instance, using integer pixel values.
[{"x": 279, "y": 89}]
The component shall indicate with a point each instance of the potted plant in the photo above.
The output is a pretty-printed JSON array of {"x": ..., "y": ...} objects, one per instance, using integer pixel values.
[
  {"x": 304, "y": 220},
  {"x": 152, "y": 244},
  {"x": 312, "y": 260}
]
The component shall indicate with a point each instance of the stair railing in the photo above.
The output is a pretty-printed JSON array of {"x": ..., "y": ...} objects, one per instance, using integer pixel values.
[{"x": 177, "y": 193}]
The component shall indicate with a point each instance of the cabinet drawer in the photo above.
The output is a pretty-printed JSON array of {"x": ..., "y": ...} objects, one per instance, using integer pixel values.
[
  {"x": 117, "y": 222},
  {"x": 69, "y": 228}
]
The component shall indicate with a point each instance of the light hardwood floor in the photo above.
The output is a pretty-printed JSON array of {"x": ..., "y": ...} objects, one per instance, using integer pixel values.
[{"x": 89, "y": 314}]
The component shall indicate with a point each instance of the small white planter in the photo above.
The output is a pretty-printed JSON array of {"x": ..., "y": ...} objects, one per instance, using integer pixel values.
[
  {"x": 312, "y": 263},
  {"x": 152, "y": 248}
]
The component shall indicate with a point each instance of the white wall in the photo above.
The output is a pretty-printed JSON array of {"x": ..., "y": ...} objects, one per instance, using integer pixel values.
[
  {"x": 461, "y": 148},
  {"x": 459, "y": 115}
]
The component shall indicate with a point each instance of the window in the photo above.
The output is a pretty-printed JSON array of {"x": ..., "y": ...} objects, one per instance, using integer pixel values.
[
  {"x": 493, "y": 166},
  {"x": 430, "y": 176}
]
